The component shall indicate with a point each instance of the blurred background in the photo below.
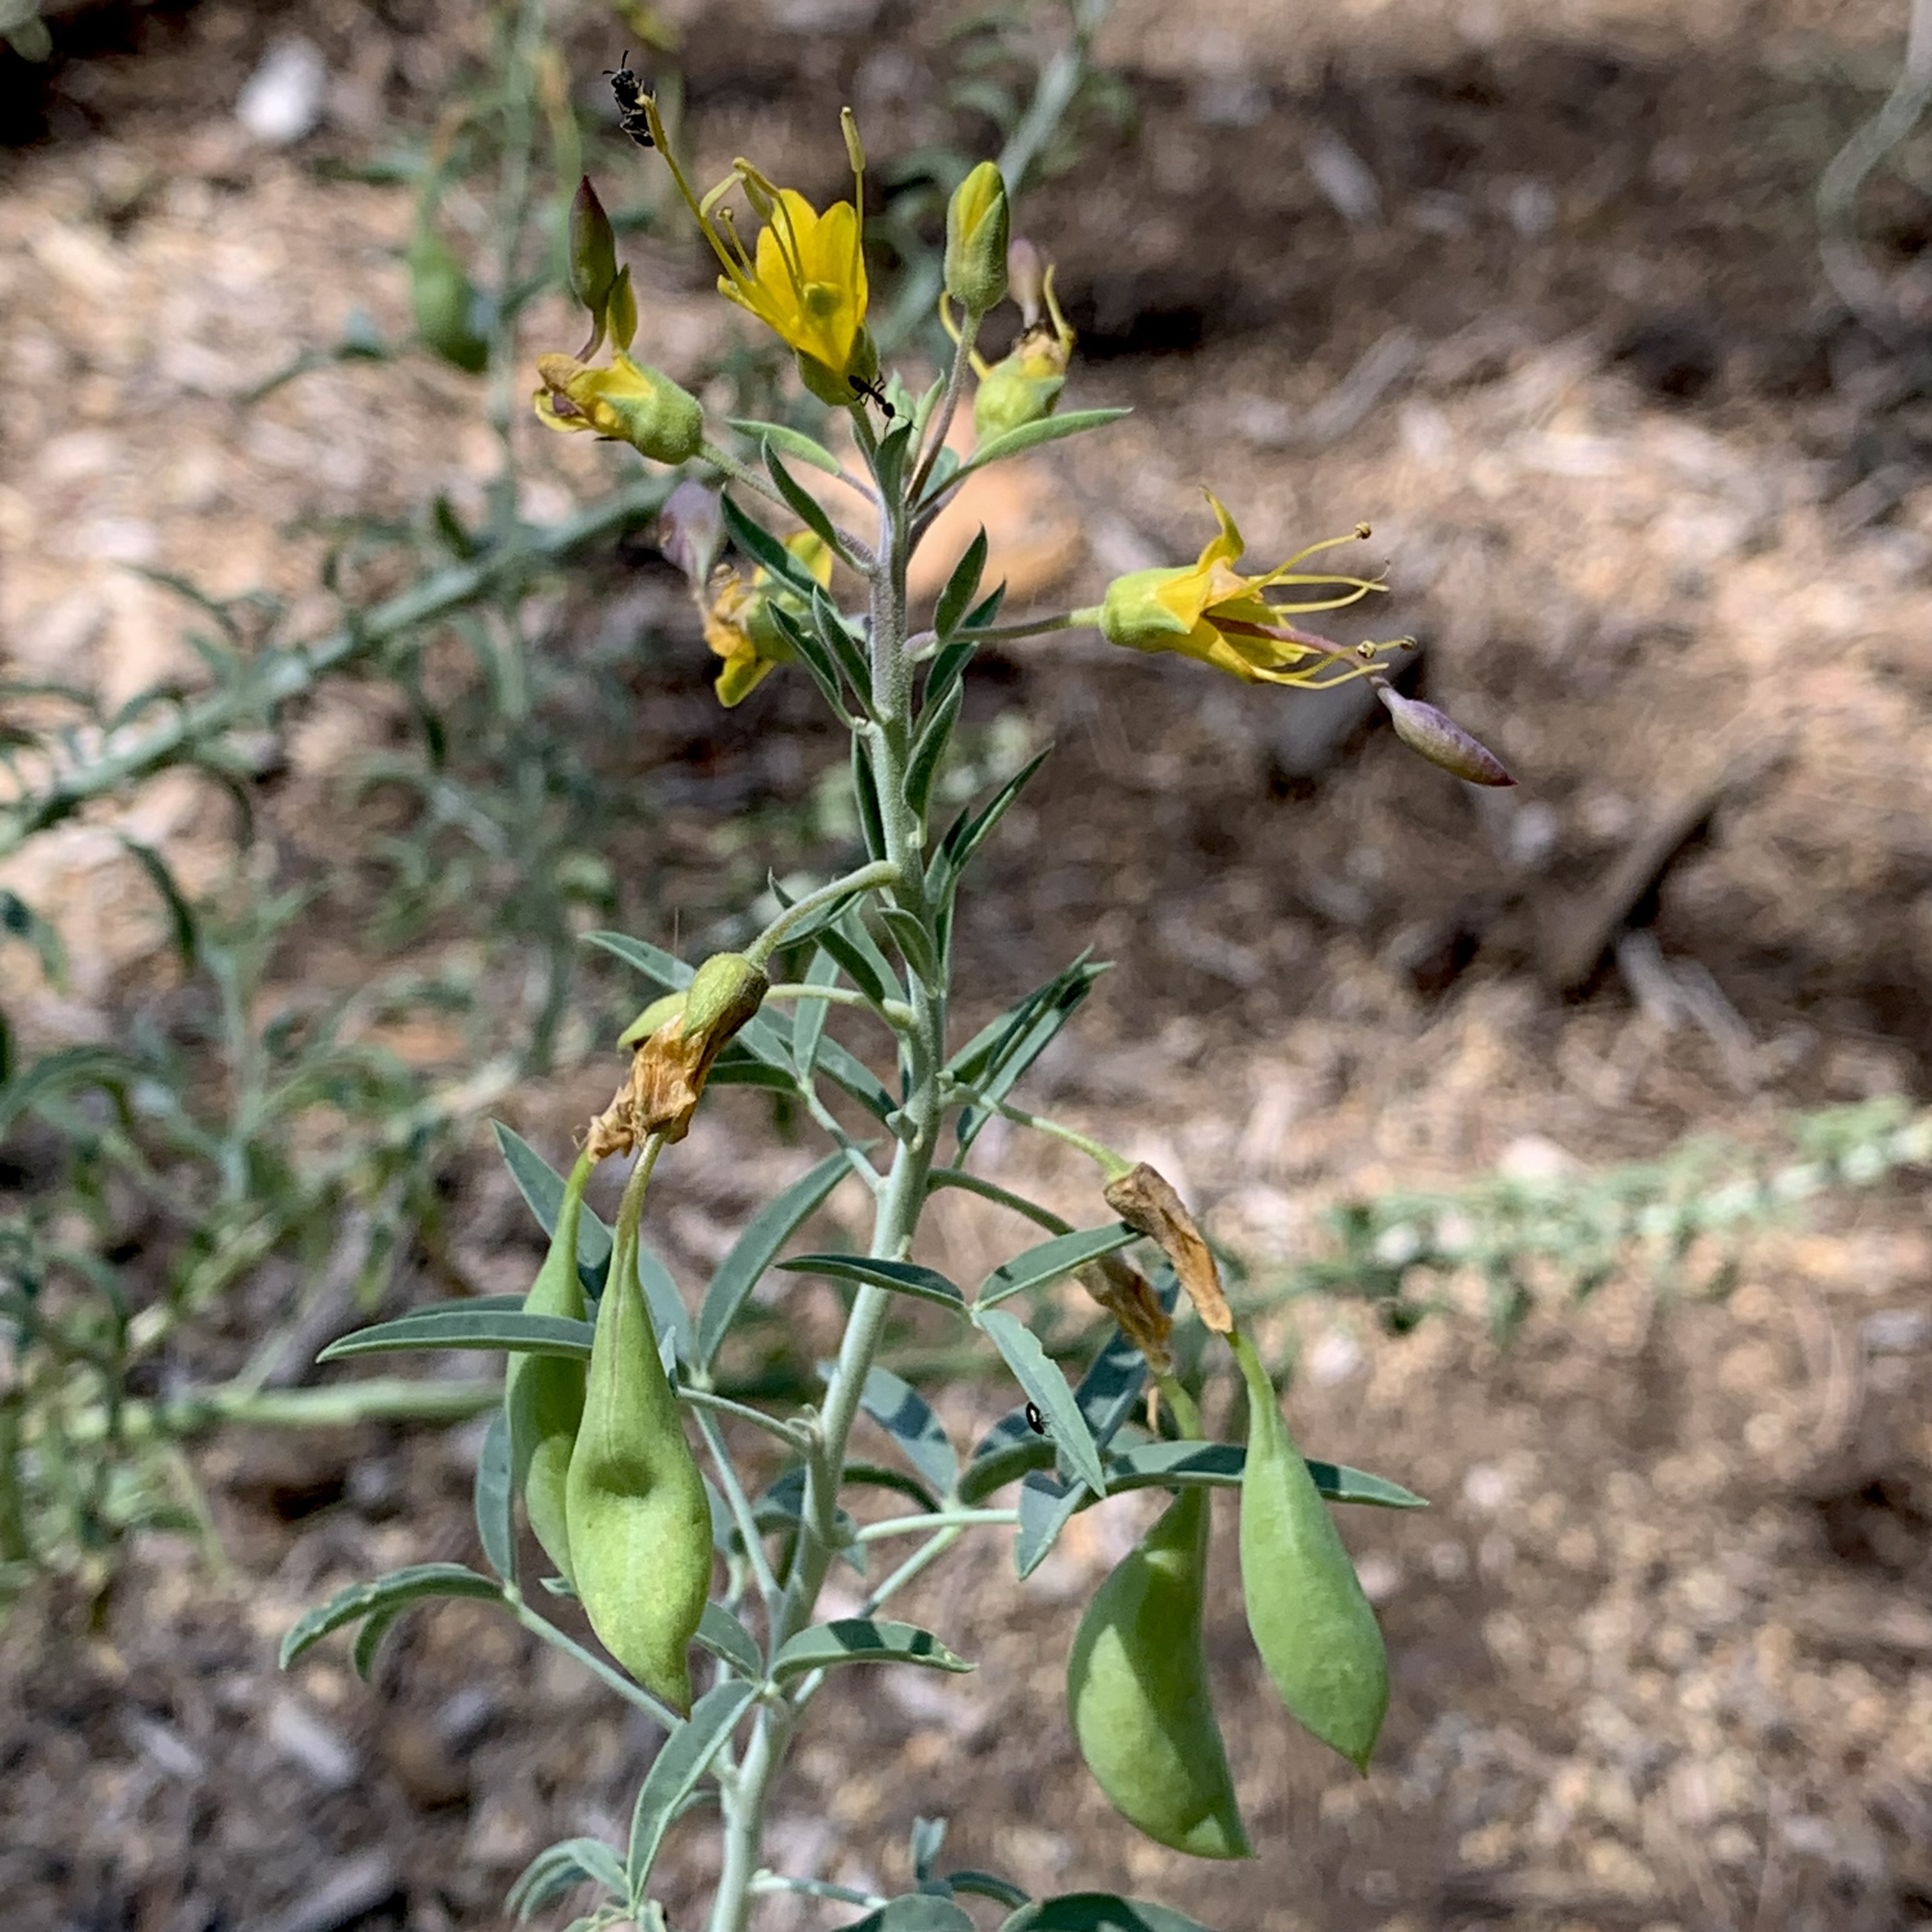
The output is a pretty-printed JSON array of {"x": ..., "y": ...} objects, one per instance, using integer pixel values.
[{"x": 1569, "y": 1140}]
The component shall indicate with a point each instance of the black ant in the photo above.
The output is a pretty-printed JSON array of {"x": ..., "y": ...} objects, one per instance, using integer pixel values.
[
  {"x": 630, "y": 92},
  {"x": 1035, "y": 1420},
  {"x": 874, "y": 392}
]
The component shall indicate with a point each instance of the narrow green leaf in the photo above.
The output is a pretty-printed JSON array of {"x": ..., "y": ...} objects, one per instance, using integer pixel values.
[
  {"x": 181, "y": 915},
  {"x": 911, "y": 936},
  {"x": 855, "y": 1078},
  {"x": 812, "y": 652},
  {"x": 871, "y": 1476},
  {"x": 793, "y": 442},
  {"x": 808, "y": 1019},
  {"x": 1053, "y": 1261},
  {"x": 1030, "y": 435},
  {"x": 541, "y": 1186},
  {"x": 865, "y": 793},
  {"x": 1218, "y": 1465},
  {"x": 847, "y": 651},
  {"x": 865, "y": 965},
  {"x": 948, "y": 669},
  {"x": 673, "y": 1775},
  {"x": 969, "y": 831},
  {"x": 494, "y": 1525},
  {"x": 461, "y": 1325},
  {"x": 928, "y": 1838},
  {"x": 758, "y": 544},
  {"x": 803, "y": 505},
  {"x": 906, "y": 1416},
  {"x": 985, "y": 612},
  {"x": 861, "y": 1640},
  {"x": 557, "y": 1867},
  {"x": 929, "y": 747},
  {"x": 393, "y": 1592},
  {"x": 1040, "y": 1376},
  {"x": 755, "y": 1249},
  {"x": 720, "y": 1633},
  {"x": 1098, "y": 1912},
  {"x": 19, "y": 921},
  {"x": 985, "y": 1885},
  {"x": 362, "y": 1652},
  {"x": 890, "y": 466},
  {"x": 662, "y": 969},
  {"x": 1032, "y": 1029},
  {"x": 902, "y": 1277},
  {"x": 961, "y": 587}
]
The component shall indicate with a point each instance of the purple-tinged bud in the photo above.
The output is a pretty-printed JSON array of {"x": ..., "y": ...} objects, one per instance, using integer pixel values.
[
  {"x": 1433, "y": 735},
  {"x": 690, "y": 531},
  {"x": 1026, "y": 279}
]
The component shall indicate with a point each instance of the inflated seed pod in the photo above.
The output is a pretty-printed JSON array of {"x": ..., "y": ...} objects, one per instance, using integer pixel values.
[
  {"x": 639, "y": 1526},
  {"x": 1137, "y": 1693},
  {"x": 544, "y": 1394},
  {"x": 1309, "y": 1620}
]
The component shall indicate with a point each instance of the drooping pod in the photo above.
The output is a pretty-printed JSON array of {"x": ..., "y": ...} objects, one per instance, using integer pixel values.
[
  {"x": 1137, "y": 1692},
  {"x": 1312, "y": 1625},
  {"x": 544, "y": 1394},
  {"x": 640, "y": 1525}
]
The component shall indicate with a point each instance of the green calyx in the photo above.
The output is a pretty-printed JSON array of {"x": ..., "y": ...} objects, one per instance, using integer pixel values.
[
  {"x": 1314, "y": 1627},
  {"x": 1139, "y": 1696}
]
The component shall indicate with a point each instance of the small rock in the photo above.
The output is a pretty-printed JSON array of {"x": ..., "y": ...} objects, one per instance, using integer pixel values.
[
  {"x": 354, "y": 1889},
  {"x": 281, "y": 100},
  {"x": 1344, "y": 179},
  {"x": 302, "y": 1737}
]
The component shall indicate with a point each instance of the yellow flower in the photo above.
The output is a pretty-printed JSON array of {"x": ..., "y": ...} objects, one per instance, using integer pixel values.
[
  {"x": 806, "y": 280},
  {"x": 738, "y": 622},
  {"x": 629, "y": 402},
  {"x": 1209, "y": 610}
]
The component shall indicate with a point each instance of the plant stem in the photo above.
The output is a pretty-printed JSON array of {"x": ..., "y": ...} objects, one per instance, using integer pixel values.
[
  {"x": 911, "y": 1525},
  {"x": 900, "y": 871}
]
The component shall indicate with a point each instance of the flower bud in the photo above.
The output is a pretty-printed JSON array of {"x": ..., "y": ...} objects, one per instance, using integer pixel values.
[
  {"x": 1025, "y": 386},
  {"x": 977, "y": 225},
  {"x": 670, "y": 1007},
  {"x": 593, "y": 257},
  {"x": 629, "y": 402},
  {"x": 1435, "y": 736},
  {"x": 690, "y": 531}
]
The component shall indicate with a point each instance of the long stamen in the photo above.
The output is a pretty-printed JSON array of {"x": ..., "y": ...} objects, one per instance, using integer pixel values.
[{"x": 700, "y": 213}]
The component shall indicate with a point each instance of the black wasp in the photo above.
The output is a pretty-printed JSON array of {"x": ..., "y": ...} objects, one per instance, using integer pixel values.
[
  {"x": 630, "y": 92},
  {"x": 1035, "y": 1420},
  {"x": 873, "y": 391}
]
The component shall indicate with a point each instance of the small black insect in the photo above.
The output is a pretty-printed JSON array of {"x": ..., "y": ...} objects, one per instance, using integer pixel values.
[
  {"x": 1035, "y": 1420},
  {"x": 630, "y": 92},
  {"x": 873, "y": 392}
]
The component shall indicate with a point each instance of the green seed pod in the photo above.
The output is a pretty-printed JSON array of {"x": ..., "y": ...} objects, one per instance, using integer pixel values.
[
  {"x": 1307, "y": 1612},
  {"x": 544, "y": 1394},
  {"x": 1137, "y": 1692},
  {"x": 639, "y": 1526}
]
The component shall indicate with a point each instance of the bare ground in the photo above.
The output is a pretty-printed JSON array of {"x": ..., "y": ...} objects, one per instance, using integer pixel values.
[{"x": 1659, "y": 515}]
